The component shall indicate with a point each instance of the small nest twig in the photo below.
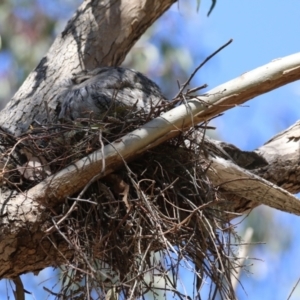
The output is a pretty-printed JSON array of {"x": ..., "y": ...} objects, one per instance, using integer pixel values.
[{"x": 135, "y": 230}]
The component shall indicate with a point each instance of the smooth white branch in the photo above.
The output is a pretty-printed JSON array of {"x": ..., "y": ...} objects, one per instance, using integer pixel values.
[{"x": 237, "y": 91}]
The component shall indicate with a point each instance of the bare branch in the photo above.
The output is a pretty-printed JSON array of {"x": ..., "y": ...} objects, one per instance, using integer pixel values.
[
  {"x": 282, "y": 153},
  {"x": 264, "y": 79},
  {"x": 242, "y": 183},
  {"x": 275, "y": 74}
]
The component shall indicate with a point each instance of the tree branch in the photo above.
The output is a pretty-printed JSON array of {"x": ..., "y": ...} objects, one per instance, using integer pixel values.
[
  {"x": 55, "y": 188},
  {"x": 85, "y": 43},
  {"x": 99, "y": 34},
  {"x": 282, "y": 153},
  {"x": 251, "y": 84},
  {"x": 230, "y": 178}
]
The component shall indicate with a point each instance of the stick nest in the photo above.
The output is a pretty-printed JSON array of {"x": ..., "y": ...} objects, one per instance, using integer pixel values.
[{"x": 135, "y": 231}]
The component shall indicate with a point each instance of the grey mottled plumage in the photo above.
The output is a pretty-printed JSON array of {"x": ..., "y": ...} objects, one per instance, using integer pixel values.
[{"x": 92, "y": 93}]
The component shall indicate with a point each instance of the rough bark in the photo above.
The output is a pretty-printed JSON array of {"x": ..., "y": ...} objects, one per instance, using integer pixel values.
[
  {"x": 277, "y": 161},
  {"x": 282, "y": 153},
  {"x": 99, "y": 34},
  {"x": 87, "y": 43},
  {"x": 284, "y": 147}
]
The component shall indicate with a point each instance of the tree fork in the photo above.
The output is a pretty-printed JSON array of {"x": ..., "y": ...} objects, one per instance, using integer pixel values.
[
  {"x": 99, "y": 34},
  {"x": 86, "y": 44}
]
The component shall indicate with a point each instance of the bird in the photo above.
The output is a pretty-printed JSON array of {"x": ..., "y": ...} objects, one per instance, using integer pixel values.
[{"x": 91, "y": 93}]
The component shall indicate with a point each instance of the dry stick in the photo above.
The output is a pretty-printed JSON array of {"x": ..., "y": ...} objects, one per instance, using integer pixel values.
[
  {"x": 200, "y": 66},
  {"x": 55, "y": 188},
  {"x": 19, "y": 293}
]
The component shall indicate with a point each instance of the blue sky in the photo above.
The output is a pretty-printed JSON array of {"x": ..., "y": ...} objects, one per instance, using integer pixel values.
[{"x": 262, "y": 31}]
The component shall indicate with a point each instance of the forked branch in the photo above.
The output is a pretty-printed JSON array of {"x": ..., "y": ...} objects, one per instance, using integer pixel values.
[{"x": 199, "y": 109}]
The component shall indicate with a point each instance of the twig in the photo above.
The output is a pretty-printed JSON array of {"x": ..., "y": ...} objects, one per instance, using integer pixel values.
[
  {"x": 19, "y": 293},
  {"x": 201, "y": 65},
  {"x": 290, "y": 295}
]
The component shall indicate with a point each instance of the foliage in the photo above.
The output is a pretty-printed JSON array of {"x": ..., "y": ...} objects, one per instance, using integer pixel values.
[{"x": 27, "y": 29}]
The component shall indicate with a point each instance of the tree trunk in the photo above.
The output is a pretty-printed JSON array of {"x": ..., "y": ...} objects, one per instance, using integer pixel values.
[{"x": 100, "y": 34}]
